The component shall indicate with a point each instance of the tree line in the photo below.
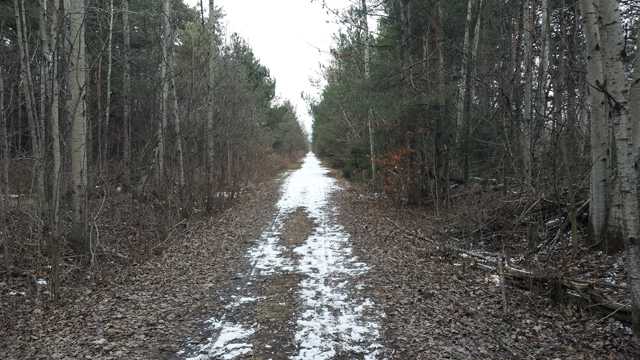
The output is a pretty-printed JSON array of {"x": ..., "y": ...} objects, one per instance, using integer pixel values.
[
  {"x": 532, "y": 94},
  {"x": 141, "y": 97}
]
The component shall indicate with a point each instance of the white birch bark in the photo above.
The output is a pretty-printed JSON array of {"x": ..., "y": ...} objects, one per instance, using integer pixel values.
[
  {"x": 78, "y": 141},
  {"x": 462, "y": 87},
  {"x": 616, "y": 87},
  {"x": 599, "y": 185}
]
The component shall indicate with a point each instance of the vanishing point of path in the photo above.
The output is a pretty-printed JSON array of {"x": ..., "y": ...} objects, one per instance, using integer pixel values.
[{"x": 297, "y": 294}]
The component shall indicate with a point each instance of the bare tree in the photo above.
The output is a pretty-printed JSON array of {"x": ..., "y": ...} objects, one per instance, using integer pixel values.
[
  {"x": 175, "y": 113},
  {"x": 599, "y": 178},
  {"x": 36, "y": 129},
  {"x": 367, "y": 75},
  {"x": 210, "y": 150},
  {"x": 3, "y": 185},
  {"x": 164, "y": 110},
  {"x": 616, "y": 88},
  {"x": 126, "y": 94},
  {"x": 527, "y": 17},
  {"x": 78, "y": 141},
  {"x": 107, "y": 110}
]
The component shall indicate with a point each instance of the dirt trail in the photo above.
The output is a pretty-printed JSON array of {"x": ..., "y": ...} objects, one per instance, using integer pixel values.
[{"x": 298, "y": 293}]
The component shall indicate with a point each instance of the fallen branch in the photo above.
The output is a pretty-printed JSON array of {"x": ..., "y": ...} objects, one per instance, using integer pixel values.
[{"x": 585, "y": 294}]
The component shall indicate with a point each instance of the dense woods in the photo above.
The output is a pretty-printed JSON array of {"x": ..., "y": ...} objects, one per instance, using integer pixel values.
[
  {"x": 125, "y": 105},
  {"x": 499, "y": 135},
  {"x": 537, "y": 98}
]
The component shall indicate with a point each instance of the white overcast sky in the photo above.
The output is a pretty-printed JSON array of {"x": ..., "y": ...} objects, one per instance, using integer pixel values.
[{"x": 289, "y": 37}]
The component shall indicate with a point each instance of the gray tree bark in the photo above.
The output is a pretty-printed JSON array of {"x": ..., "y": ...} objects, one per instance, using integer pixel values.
[
  {"x": 175, "y": 113},
  {"x": 210, "y": 156},
  {"x": 527, "y": 18},
  {"x": 599, "y": 184},
  {"x": 78, "y": 141},
  {"x": 367, "y": 76},
  {"x": 51, "y": 45},
  {"x": 616, "y": 88},
  {"x": 107, "y": 110},
  {"x": 164, "y": 110},
  {"x": 462, "y": 87},
  {"x": 3, "y": 185},
  {"x": 126, "y": 94}
]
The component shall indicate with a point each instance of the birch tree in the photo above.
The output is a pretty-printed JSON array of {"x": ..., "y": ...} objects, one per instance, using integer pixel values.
[
  {"x": 599, "y": 186},
  {"x": 616, "y": 89},
  {"x": 78, "y": 141},
  {"x": 462, "y": 87}
]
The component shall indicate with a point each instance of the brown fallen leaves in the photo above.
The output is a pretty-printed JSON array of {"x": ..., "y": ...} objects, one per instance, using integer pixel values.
[
  {"x": 439, "y": 308},
  {"x": 436, "y": 305},
  {"x": 138, "y": 311}
]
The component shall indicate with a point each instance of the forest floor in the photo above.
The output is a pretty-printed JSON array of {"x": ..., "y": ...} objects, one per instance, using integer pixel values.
[{"x": 337, "y": 276}]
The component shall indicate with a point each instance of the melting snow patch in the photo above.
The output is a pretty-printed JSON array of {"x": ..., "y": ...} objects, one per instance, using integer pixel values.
[{"x": 228, "y": 344}]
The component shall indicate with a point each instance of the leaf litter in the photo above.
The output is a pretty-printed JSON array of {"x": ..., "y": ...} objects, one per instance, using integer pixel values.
[{"x": 217, "y": 289}]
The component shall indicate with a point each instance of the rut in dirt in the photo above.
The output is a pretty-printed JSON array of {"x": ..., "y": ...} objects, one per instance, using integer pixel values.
[{"x": 299, "y": 293}]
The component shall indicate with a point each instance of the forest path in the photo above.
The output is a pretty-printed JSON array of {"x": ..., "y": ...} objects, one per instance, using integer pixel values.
[{"x": 298, "y": 292}]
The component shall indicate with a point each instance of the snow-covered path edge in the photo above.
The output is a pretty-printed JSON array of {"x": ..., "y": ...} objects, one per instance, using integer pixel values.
[{"x": 334, "y": 318}]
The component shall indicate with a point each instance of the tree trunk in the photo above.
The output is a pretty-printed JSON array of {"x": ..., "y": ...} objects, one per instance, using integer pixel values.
[
  {"x": 543, "y": 75},
  {"x": 441, "y": 143},
  {"x": 599, "y": 185},
  {"x": 56, "y": 153},
  {"x": 164, "y": 111},
  {"x": 36, "y": 128},
  {"x": 3, "y": 185},
  {"x": 107, "y": 110},
  {"x": 78, "y": 141},
  {"x": 473, "y": 70},
  {"x": 635, "y": 106},
  {"x": 210, "y": 105},
  {"x": 126, "y": 94},
  {"x": 367, "y": 76},
  {"x": 462, "y": 86},
  {"x": 616, "y": 87},
  {"x": 527, "y": 18},
  {"x": 176, "y": 120}
]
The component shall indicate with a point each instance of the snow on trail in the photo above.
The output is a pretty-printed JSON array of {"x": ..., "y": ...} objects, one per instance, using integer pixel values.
[{"x": 332, "y": 320}]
